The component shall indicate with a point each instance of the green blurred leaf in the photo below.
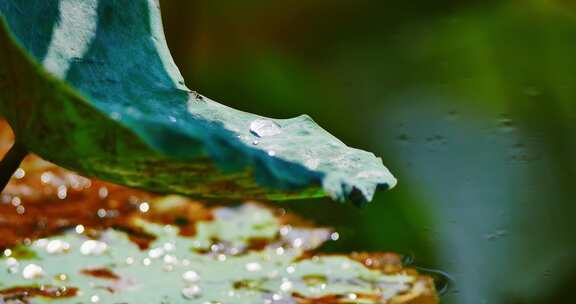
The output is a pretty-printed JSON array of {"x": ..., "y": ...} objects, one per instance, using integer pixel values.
[{"x": 91, "y": 86}]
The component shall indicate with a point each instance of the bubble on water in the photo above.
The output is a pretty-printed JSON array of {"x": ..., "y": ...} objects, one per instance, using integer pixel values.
[
  {"x": 7, "y": 252},
  {"x": 265, "y": 127},
  {"x": 94, "y": 299}
]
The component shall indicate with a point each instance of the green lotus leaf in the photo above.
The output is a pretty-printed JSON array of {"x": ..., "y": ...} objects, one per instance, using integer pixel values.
[
  {"x": 74, "y": 268},
  {"x": 90, "y": 85}
]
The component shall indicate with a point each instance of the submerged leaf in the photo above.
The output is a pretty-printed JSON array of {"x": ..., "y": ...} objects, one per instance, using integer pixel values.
[{"x": 91, "y": 85}]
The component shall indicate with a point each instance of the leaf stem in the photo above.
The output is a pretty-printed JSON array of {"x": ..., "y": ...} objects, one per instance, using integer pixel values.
[{"x": 10, "y": 163}]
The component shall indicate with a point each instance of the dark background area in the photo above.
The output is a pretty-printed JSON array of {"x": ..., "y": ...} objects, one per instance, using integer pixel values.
[{"x": 471, "y": 104}]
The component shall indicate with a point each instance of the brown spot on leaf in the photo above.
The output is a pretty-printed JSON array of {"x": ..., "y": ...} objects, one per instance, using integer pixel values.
[{"x": 101, "y": 273}]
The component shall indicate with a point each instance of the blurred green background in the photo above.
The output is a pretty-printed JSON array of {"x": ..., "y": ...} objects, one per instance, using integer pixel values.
[{"x": 470, "y": 103}]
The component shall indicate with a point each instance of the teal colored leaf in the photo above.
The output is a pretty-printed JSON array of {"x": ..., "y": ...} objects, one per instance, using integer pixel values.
[{"x": 90, "y": 85}]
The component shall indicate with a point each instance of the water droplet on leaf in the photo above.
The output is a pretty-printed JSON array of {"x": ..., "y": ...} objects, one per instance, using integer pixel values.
[{"x": 265, "y": 128}]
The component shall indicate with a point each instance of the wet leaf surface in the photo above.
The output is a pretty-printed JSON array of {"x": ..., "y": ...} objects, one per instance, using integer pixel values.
[
  {"x": 102, "y": 243},
  {"x": 104, "y": 97}
]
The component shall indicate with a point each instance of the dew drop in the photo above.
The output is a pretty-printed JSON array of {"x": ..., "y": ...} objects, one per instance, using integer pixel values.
[
  {"x": 284, "y": 230},
  {"x": 312, "y": 163},
  {"x": 62, "y": 192},
  {"x": 46, "y": 177},
  {"x": 335, "y": 236},
  {"x": 170, "y": 260},
  {"x": 253, "y": 267},
  {"x": 103, "y": 192},
  {"x": 115, "y": 116},
  {"x": 191, "y": 292},
  {"x": 265, "y": 128},
  {"x": 191, "y": 276},
  {"x": 62, "y": 277},
  {"x": 144, "y": 207},
  {"x": 20, "y": 210},
  {"x": 156, "y": 253},
  {"x": 12, "y": 262},
  {"x": 93, "y": 247},
  {"x": 79, "y": 229},
  {"x": 20, "y": 173},
  {"x": 57, "y": 247},
  {"x": 101, "y": 213},
  {"x": 169, "y": 247},
  {"x": 32, "y": 271},
  {"x": 286, "y": 286},
  {"x": 297, "y": 243},
  {"x": 16, "y": 201}
]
